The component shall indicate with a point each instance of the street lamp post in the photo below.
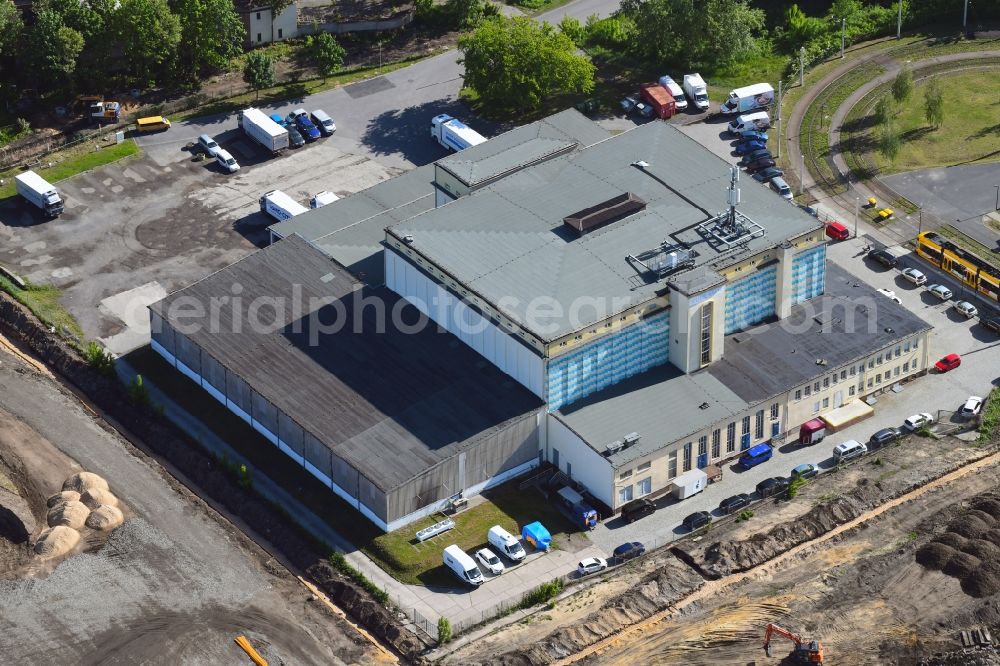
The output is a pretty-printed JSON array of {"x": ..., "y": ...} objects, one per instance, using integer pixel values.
[
  {"x": 965, "y": 14},
  {"x": 857, "y": 202},
  {"x": 899, "y": 21},
  {"x": 996, "y": 206},
  {"x": 843, "y": 35}
]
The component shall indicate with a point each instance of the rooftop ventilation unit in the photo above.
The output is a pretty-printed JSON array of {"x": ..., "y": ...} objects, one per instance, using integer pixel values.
[
  {"x": 631, "y": 438},
  {"x": 614, "y": 447},
  {"x": 664, "y": 260},
  {"x": 732, "y": 228},
  {"x": 605, "y": 212}
]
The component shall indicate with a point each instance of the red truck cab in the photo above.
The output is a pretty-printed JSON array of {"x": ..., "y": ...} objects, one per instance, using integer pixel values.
[
  {"x": 812, "y": 432},
  {"x": 659, "y": 98}
]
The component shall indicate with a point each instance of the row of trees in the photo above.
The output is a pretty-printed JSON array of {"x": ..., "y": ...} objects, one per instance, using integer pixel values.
[
  {"x": 887, "y": 132},
  {"x": 73, "y": 44}
]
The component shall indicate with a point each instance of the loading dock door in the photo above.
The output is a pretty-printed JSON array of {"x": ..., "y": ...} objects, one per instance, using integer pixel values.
[{"x": 838, "y": 399}]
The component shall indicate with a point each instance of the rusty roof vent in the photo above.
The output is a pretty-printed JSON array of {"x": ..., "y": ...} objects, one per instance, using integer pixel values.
[{"x": 605, "y": 212}]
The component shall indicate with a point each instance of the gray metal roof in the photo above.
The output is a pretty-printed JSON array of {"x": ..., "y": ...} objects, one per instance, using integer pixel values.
[
  {"x": 770, "y": 359},
  {"x": 391, "y": 403},
  {"x": 663, "y": 405},
  {"x": 507, "y": 242}
]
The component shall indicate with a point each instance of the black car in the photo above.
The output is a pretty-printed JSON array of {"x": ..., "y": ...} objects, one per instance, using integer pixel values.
[
  {"x": 637, "y": 509},
  {"x": 884, "y": 257},
  {"x": 771, "y": 487},
  {"x": 697, "y": 519},
  {"x": 755, "y": 155},
  {"x": 884, "y": 436},
  {"x": 992, "y": 323},
  {"x": 295, "y": 137},
  {"x": 627, "y": 551},
  {"x": 765, "y": 175},
  {"x": 762, "y": 163},
  {"x": 734, "y": 503}
]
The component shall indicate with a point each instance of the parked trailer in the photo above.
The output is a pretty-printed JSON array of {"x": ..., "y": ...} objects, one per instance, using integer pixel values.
[
  {"x": 259, "y": 127},
  {"x": 812, "y": 432},
  {"x": 689, "y": 483},
  {"x": 322, "y": 199},
  {"x": 750, "y": 98},
  {"x": 39, "y": 193},
  {"x": 280, "y": 206},
  {"x": 659, "y": 98},
  {"x": 573, "y": 504},
  {"x": 454, "y": 134}
]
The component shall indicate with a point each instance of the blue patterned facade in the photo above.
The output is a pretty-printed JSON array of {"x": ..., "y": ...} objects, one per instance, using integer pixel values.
[
  {"x": 607, "y": 361},
  {"x": 751, "y": 300},
  {"x": 809, "y": 274}
]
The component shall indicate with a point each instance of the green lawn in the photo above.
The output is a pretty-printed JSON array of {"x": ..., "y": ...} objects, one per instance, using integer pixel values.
[
  {"x": 43, "y": 301},
  {"x": 765, "y": 69},
  {"x": 971, "y": 129},
  {"x": 991, "y": 417},
  {"x": 71, "y": 162}
]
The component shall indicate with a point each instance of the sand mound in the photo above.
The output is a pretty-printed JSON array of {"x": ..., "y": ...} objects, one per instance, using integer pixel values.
[
  {"x": 56, "y": 541},
  {"x": 63, "y": 496},
  {"x": 949, "y": 539},
  {"x": 988, "y": 505},
  {"x": 935, "y": 555},
  {"x": 961, "y": 565},
  {"x": 85, "y": 481},
  {"x": 107, "y": 517},
  {"x": 983, "y": 516},
  {"x": 95, "y": 497},
  {"x": 71, "y": 514},
  {"x": 984, "y": 550},
  {"x": 970, "y": 527}
]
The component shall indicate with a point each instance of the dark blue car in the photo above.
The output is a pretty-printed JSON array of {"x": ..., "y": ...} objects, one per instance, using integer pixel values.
[
  {"x": 301, "y": 119},
  {"x": 754, "y": 135},
  {"x": 749, "y": 146}
]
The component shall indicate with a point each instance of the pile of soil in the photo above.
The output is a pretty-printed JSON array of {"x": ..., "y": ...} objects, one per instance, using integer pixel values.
[
  {"x": 83, "y": 481},
  {"x": 56, "y": 541},
  {"x": 105, "y": 517},
  {"x": 969, "y": 549},
  {"x": 71, "y": 514},
  {"x": 62, "y": 496},
  {"x": 95, "y": 497},
  {"x": 966, "y": 657}
]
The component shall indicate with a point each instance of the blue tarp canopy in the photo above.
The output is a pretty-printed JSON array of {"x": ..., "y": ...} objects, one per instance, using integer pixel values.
[{"x": 536, "y": 534}]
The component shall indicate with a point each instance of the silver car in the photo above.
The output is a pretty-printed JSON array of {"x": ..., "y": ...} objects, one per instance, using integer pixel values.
[
  {"x": 490, "y": 561},
  {"x": 208, "y": 144},
  {"x": 941, "y": 291}
]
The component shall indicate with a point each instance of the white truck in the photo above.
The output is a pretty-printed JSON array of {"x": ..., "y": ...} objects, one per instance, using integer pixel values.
[
  {"x": 750, "y": 98},
  {"x": 751, "y": 122},
  {"x": 696, "y": 90},
  {"x": 280, "y": 206},
  {"x": 462, "y": 565},
  {"x": 454, "y": 134},
  {"x": 323, "y": 198},
  {"x": 689, "y": 483},
  {"x": 675, "y": 91},
  {"x": 506, "y": 543},
  {"x": 263, "y": 130},
  {"x": 39, "y": 192}
]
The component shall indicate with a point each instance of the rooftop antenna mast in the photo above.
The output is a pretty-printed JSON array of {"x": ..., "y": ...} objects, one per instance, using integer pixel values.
[{"x": 733, "y": 198}]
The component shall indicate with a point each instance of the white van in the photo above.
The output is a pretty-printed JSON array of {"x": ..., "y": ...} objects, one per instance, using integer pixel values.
[
  {"x": 680, "y": 102},
  {"x": 779, "y": 185},
  {"x": 505, "y": 543},
  {"x": 758, "y": 121},
  {"x": 226, "y": 161},
  {"x": 462, "y": 565},
  {"x": 848, "y": 450}
]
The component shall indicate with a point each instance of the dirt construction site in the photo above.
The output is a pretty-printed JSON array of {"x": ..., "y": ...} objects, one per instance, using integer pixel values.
[
  {"x": 887, "y": 561},
  {"x": 106, "y": 559}
]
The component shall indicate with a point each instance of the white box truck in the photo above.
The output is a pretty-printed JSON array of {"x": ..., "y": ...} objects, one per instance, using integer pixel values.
[
  {"x": 689, "y": 483},
  {"x": 38, "y": 192},
  {"x": 750, "y": 98},
  {"x": 696, "y": 90},
  {"x": 462, "y": 565},
  {"x": 454, "y": 134},
  {"x": 506, "y": 543},
  {"x": 322, "y": 199},
  {"x": 675, "y": 91},
  {"x": 263, "y": 130},
  {"x": 280, "y": 206}
]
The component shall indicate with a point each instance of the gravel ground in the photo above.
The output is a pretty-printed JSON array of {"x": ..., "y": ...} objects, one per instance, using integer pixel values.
[{"x": 175, "y": 584}]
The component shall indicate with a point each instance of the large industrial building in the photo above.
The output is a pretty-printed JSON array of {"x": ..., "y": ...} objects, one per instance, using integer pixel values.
[{"x": 636, "y": 308}]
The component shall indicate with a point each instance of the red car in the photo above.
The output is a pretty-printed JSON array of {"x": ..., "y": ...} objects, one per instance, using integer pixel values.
[{"x": 949, "y": 362}]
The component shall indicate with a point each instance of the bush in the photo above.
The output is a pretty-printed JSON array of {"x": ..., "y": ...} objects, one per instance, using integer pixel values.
[
  {"x": 99, "y": 358},
  {"x": 795, "y": 486},
  {"x": 137, "y": 391},
  {"x": 444, "y": 630},
  {"x": 542, "y": 593},
  {"x": 572, "y": 28},
  {"x": 745, "y": 514},
  {"x": 340, "y": 564},
  {"x": 614, "y": 32}
]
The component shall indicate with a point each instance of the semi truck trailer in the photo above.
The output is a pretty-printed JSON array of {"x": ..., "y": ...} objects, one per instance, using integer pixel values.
[
  {"x": 280, "y": 206},
  {"x": 263, "y": 130}
]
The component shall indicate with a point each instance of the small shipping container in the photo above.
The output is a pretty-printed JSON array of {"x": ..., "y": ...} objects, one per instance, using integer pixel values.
[
  {"x": 659, "y": 98},
  {"x": 689, "y": 483},
  {"x": 811, "y": 432}
]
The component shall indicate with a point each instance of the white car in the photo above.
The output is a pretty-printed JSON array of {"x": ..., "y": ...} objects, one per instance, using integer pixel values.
[
  {"x": 591, "y": 565},
  {"x": 941, "y": 291},
  {"x": 890, "y": 294},
  {"x": 490, "y": 561},
  {"x": 208, "y": 144},
  {"x": 918, "y": 421},
  {"x": 971, "y": 407},
  {"x": 914, "y": 276},
  {"x": 967, "y": 309}
]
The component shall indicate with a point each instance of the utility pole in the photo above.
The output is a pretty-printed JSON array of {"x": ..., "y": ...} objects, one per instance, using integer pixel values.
[
  {"x": 899, "y": 21},
  {"x": 802, "y": 66},
  {"x": 920, "y": 224},
  {"x": 857, "y": 202},
  {"x": 965, "y": 14},
  {"x": 843, "y": 36},
  {"x": 997, "y": 206},
  {"x": 777, "y": 152}
]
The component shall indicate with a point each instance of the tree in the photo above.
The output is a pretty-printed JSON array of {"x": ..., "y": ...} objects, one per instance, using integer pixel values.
[
  {"x": 258, "y": 71},
  {"x": 517, "y": 63},
  {"x": 327, "y": 54},
  {"x": 885, "y": 110},
  {"x": 934, "y": 103},
  {"x": 467, "y": 14},
  {"x": 153, "y": 36},
  {"x": 889, "y": 141},
  {"x": 800, "y": 28},
  {"x": 572, "y": 28},
  {"x": 52, "y": 50},
  {"x": 211, "y": 34},
  {"x": 902, "y": 85},
  {"x": 10, "y": 25}
]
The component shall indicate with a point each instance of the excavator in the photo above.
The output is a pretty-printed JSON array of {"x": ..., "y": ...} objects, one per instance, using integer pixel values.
[{"x": 805, "y": 652}]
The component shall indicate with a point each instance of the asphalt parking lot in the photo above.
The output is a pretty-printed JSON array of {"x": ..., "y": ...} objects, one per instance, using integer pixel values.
[
  {"x": 136, "y": 230},
  {"x": 952, "y": 333}
]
